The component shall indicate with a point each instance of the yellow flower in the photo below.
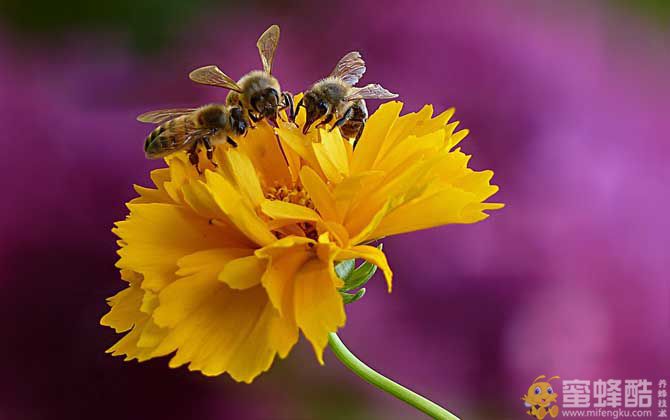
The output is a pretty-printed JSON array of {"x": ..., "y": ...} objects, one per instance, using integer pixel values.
[{"x": 225, "y": 268}]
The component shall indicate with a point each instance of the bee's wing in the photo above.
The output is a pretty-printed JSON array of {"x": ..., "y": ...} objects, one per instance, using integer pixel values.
[
  {"x": 350, "y": 68},
  {"x": 161, "y": 115},
  {"x": 267, "y": 45},
  {"x": 372, "y": 91},
  {"x": 213, "y": 76}
]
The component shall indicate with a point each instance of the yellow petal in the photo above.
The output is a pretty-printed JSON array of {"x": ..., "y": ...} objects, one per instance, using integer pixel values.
[
  {"x": 371, "y": 254},
  {"x": 285, "y": 257},
  {"x": 283, "y": 210},
  {"x": 336, "y": 148},
  {"x": 300, "y": 144},
  {"x": 319, "y": 308},
  {"x": 239, "y": 213},
  {"x": 364, "y": 233},
  {"x": 124, "y": 310},
  {"x": 319, "y": 193},
  {"x": 139, "y": 342},
  {"x": 157, "y": 235},
  {"x": 262, "y": 147},
  {"x": 230, "y": 331},
  {"x": 338, "y": 232},
  {"x": 458, "y": 137},
  {"x": 243, "y": 273},
  {"x": 326, "y": 165},
  {"x": 130, "y": 312},
  {"x": 418, "y": 124},
  {"x": 199, "y": 280},
  {"x": 216, "y": 329},
  {"x": 245, "y": 176},
  {"x": 374, "y": 136},
  {"x": 478, "y": 183},
  {"x": 199, "y": 197},
  {"x": 159, "y": 177},
  {"x": 150, "y": 195},
  {"x": 354, "y": 190},
  {"x": 412, "y": 149},
  {"x": 332, "y": 155},
  {"x": 181, "y": 172},
  {"x": 405, "y": 126},
  {"x": 442, "y": 208},
  {"x": 391, "y": 187},
  {"x": 149, "y": 302},
  {"x": 151, "y": 335}
]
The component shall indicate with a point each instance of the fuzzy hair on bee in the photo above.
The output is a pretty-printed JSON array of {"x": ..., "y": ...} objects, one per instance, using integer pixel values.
[
  {"x": 335, "y": 99},
  {"x": 258, "y": 92},
  {"x": 188, "y": 128}
]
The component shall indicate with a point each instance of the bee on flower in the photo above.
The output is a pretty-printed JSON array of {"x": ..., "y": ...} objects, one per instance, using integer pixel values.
[
  {"x": 336, "y": 100},
  {"x": 228, "y": 263},
  {"x": 226, "y": 268}
]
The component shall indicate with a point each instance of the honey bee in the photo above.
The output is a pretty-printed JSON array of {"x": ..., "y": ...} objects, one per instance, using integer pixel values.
[
  {"x": 257, "y": 92},
  {"x": 187, "y": 128},
  {"x": 335, "y": 97}
]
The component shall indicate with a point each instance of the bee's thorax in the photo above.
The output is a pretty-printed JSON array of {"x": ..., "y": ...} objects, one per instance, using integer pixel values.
[{"x": 212, "y": 116}]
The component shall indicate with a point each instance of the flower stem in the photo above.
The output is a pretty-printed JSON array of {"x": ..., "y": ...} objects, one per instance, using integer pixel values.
[{"x": 367, "y": 374}]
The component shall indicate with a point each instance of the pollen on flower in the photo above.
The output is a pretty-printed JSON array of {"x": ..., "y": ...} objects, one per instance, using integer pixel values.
[{"x": 294, "y": 195}]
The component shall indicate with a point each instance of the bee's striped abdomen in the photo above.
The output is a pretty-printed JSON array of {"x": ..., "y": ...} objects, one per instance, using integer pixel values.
[{"x": 168, "y": 137}]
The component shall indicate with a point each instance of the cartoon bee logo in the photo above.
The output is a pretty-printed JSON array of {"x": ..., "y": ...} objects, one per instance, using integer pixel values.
[{"x": 540, "y": 398}]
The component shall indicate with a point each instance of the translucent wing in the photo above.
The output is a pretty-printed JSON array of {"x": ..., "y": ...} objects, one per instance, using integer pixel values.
[
  {"x": 267, "y": 45},
  {"x": 178, "y": 135},
  {"x": 213, "y": 76},
  {"x": 372, "y": 91},
  {"x": 161, "y": 115},
  {"x": 350, "y": 68}
]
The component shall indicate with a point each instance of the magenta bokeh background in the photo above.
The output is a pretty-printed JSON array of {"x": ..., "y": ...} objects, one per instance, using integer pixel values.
[{"x": 568, "y": 104}]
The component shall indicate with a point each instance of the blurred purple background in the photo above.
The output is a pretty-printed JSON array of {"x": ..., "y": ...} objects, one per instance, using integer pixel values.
[{"x": 567, "y": 102}]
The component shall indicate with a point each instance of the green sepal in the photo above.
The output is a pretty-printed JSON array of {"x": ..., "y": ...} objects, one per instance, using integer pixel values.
[
  {"x": 361, "y": 275},
  {"x": 345, "y": 268},
  {"x": 354, "y": 278},
  {"x": 352, "y": 297}
]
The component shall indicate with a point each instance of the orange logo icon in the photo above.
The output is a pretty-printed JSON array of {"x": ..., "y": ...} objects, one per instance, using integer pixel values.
[{"x": 541, "y": 398}]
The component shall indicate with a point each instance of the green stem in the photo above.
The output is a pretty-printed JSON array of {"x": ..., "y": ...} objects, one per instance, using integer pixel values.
[{"x": 367, "y": 374}]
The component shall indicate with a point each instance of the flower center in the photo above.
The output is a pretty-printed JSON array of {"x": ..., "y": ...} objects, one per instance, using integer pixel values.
[{"x": 294, "y": 195}]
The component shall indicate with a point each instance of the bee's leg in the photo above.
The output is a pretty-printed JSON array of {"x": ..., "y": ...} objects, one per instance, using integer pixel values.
[
  {"x": 207, "y": 142},
  {"x": 193, "y": 157},
  {"x": 344, "y": 118},
  {"x": 358, "y": 136},
  {"x": 287, "y": 102},
  {"x": 297, "y": 108},
  {"x": 254, "y": 118},
  {"x": 326, "y": 120},
  {"x": 231, "y": 141}
]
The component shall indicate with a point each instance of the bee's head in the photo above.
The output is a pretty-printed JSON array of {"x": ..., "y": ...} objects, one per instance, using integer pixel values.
[
  {"x": 315, "y": 108},
  {"x": 266, "y": 103},
  {"x": 237, "y": 121}
]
